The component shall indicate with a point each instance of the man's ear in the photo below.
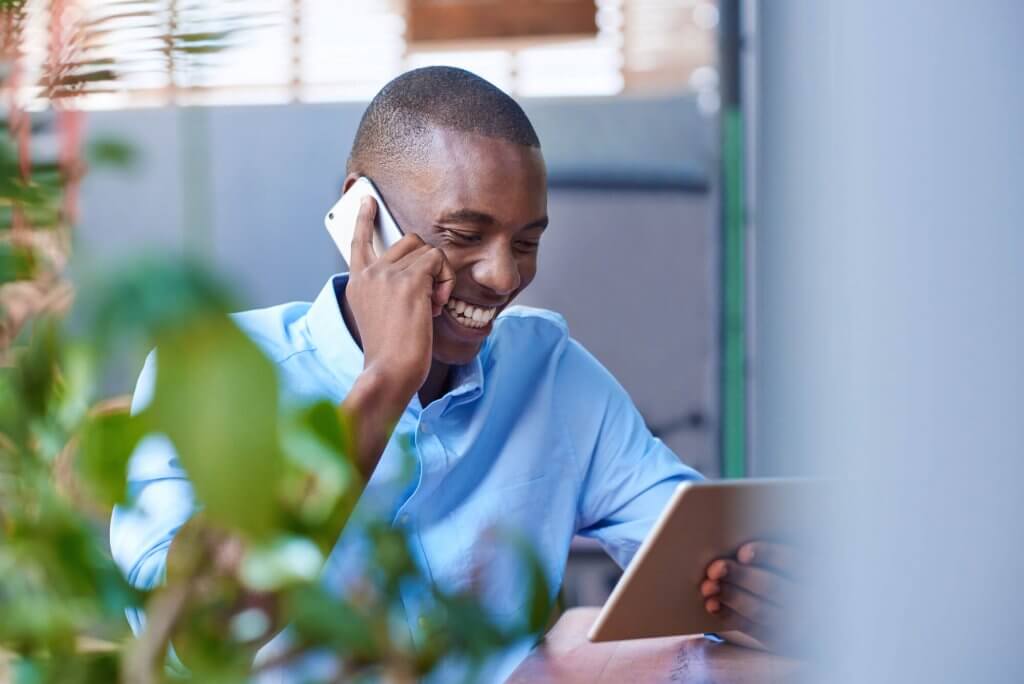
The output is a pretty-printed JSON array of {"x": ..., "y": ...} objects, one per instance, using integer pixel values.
[{"x": 349, "y": 180}]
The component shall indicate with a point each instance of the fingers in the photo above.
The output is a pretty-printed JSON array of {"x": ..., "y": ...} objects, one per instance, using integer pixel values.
[
  {"x": 782, "y": 558},
  {"x": 755, "y": 592},
  {"x": 362, "y": 237},
  {"x": 730, "y": 618},
  {"x": 758, "y": 581},
  {"x": 434, "y": 263},
  {"x": 405, "y": 251},
  {"x": 734, "y": 622},
  {"x": 444, "y": 283},
  {"x": 430, "y": 262},
  {"x": 754, "y": 608}
]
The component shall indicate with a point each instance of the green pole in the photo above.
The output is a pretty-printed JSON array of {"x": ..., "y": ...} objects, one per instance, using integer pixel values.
[
  {"x": 734, "y": 312},
  {"x": 734, "y": 264}
]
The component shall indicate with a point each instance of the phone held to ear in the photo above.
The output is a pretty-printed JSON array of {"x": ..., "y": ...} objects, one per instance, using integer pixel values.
[{"x": 341, "y": 220}]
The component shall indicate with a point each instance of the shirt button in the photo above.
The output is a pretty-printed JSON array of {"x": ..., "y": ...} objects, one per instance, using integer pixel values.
[
  {"x": 425, "y": 428},
  {"x": 404, "y": 519}
]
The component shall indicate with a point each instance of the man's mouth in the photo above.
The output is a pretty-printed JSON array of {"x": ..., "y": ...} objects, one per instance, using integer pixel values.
[{"x": 470, "y": 315}]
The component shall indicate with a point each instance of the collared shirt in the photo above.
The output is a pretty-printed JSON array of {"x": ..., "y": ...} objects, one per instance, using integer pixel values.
[{"x": 534, "y": 436}]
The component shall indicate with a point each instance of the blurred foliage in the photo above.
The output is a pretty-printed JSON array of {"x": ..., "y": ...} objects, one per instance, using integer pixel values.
[
  {"x": 111, "y": 152},
  {"x": 273, "y": 479}
]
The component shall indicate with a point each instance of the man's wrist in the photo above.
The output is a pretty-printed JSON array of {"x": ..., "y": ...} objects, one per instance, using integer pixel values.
[
  {"x": 373, "y": 406},
  {"x": 380, "y": 393}
]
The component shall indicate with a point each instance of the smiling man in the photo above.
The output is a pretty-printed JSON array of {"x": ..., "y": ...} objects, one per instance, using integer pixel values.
[{"x": 511, "y": 421}]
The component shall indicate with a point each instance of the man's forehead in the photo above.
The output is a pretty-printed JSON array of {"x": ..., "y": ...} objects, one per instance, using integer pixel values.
[
  {"x": 450, "y": 149},
  {"x": 467, "y": 170}
]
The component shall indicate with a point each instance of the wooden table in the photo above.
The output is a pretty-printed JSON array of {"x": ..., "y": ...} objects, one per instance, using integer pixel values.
[{"x": 567, "y": 657}]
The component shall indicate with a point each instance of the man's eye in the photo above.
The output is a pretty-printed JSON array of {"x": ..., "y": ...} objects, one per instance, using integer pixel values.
[
  {"x": 528, "y": 245},
  {"x": 459, "y": 237}
]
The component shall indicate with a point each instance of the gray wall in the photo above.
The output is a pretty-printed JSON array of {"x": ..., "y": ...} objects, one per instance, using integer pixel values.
[
  {"x": 890, "y": 268},
  {"x": 630, "y": 259}
]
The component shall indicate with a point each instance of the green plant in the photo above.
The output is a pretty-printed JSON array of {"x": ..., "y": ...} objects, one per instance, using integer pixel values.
[{"x": 64, "y": 451}]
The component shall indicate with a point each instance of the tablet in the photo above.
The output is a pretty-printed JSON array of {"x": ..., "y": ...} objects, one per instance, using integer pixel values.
[{"x": 659, "y": 594}]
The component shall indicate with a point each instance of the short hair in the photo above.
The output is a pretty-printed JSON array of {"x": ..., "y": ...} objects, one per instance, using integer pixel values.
[{"x": 396, "y": 126}]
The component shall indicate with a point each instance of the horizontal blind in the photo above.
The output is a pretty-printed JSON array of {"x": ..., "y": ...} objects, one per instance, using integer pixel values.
[
  {"x": 349, "y": 48},
  {"x": 666, "y": 41},
  {"x": 253, "y": 59},
  {"x": 317, "y": 50}
]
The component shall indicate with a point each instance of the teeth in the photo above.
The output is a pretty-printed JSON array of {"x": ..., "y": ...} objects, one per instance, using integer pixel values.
[{"x": 469, "y": 315}]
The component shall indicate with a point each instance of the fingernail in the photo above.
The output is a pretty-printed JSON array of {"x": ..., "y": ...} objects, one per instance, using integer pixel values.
[
  {"x": 709, "y": 588},
  {"x": 718, "y": 570},
  {"x": 712, "y": 605},
  {"x": 746, "y": 554}
]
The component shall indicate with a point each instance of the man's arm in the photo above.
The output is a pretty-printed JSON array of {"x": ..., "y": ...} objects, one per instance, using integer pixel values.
[
  {"x": 390, "y": 302},
  {"x": 630, "y": 474},
  {"x": 630, "y": 477}
]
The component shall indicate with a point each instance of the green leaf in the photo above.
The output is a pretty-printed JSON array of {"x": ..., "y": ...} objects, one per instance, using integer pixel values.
[
  {"x": 111, "y": 152},
  {"x": 107, "y": 443},
  {"x": 322, "y": 484},
  {"x": 216, "y": 398},
  {"x": 324, "y": 619},
  {"x": 286, "y": 561},
  {"x": 391, "y": 557},
  {"x": 37, "y": 366},
  {"x": 203, "y": 36},
  {"x": 325, "y": 421},
  {"x": 151, "y": 297},
  {"x": 16, "y": 262},
  {"x": 73, "y": 79}
]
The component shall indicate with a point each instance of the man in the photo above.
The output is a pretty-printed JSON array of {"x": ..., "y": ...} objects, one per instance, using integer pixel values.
[{"x": 512, "y": 422}]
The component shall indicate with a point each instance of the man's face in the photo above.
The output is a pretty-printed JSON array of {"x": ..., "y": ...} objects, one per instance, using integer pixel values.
[{"x": 483, "y": 202}]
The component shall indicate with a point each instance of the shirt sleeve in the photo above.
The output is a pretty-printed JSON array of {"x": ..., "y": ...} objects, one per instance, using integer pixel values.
[
  {"x": 629, "y": 473},
  {"x": 160, "y": 501}
]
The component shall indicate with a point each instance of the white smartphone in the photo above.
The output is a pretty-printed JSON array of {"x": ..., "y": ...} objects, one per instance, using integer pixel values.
[{"x": 341, "y": 220}]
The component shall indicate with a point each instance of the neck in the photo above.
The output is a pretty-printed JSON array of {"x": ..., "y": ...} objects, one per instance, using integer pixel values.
[{"x": 436, "y": 384}]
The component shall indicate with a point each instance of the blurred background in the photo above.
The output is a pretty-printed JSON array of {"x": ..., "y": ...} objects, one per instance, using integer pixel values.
[
  {"x": 237, "y": 153},
  {"x": 240, "y": 153},
  {"x": 791, "y": 229}
]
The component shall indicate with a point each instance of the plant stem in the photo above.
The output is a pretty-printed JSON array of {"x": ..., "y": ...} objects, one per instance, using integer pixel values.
[{"x": 147, "y": 653}]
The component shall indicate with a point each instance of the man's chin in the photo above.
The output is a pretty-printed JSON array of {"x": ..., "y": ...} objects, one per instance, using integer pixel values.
[{"x": 454, "y": 345}]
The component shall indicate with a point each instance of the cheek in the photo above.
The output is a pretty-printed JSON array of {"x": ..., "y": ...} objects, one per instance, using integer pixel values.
[
  {"x": 527, "y": 271},
  {"x": 462, "y": 266}
]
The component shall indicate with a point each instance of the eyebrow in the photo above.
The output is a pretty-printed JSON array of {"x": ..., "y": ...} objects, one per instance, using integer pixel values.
[{"x": 481, "y": 218}]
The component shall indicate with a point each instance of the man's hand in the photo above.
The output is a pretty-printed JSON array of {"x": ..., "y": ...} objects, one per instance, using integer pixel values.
[
  {"x": 393, "y": 299},
  {"x": 756, "y": 593}
]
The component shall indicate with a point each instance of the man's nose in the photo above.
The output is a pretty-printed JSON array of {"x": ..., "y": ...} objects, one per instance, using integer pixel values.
[{"x": 498, "y": 271}]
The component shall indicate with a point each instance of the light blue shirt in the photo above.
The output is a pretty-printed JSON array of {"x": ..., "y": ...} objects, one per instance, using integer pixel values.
[{"x": 535, "y": 436}]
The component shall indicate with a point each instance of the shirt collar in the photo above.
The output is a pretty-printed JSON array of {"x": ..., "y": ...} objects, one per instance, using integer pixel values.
[
  {"x": 338, "y": 350},
  {"x": 333, "y": 342}
]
